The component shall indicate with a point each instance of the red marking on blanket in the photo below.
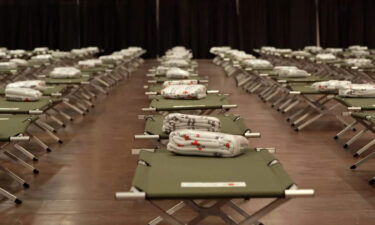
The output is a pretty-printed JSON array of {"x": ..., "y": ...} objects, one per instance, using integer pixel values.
[
  {"x": 231, "y": 184},
  {"x": 186, "y": 92},
  {"x": 227, "y": 145},
  {"x": 198, "y": 135},
  {"x": 195, "y": 143},
  {"x": 186, "y": 137},
  {"x": 200, "y": 149},
  {"x": 179, "y": 145}
]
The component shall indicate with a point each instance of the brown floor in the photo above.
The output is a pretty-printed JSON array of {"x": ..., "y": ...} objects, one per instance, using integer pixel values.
[{"x": 78, "y": 180}]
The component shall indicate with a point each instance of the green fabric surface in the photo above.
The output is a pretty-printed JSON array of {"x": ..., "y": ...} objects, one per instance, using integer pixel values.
[
  {"x": 162, "y": 79},
  {"x": 93, "y": 70},
  {"x": 212, "y": 101},
  {"x": 12, "y": 125},
  {"x": 229, "y": 125},
  {"x": 49, "y": 91},
  {"x": 162, "y": 178},
  {"x": 369, "y": 116},
  {"x": 25, "y": 107},
  {"x": 155, "y": 87},
  {"x": 301, "y": 80},
  {"x": 364, "y": 103},
  {"x": 307, "y": 89},
  {"x": 67, "y": 81}
]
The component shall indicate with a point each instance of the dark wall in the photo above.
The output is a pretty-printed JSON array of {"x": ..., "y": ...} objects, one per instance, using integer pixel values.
[{"x": 197, "y": 24}]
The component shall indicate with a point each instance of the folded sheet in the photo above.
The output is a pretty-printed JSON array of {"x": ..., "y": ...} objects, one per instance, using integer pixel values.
[
  {"x": 32, "y": 84},
  {"x": 205, "y": 143},
  {"x": 178, "y": 121},
  {"x": 358, "y": 90},
  {"x": 179, "y": 82},
  {"x": 22, "y": 94},
  {"x": 175, "y": 72},
  {"x": 331, "y": 85},
  {"x": 257, "y": 64},
  {"x": 184, "y": 92},
  {"x": 65, "y": 72},
  {"x": 176, "y": 63}
]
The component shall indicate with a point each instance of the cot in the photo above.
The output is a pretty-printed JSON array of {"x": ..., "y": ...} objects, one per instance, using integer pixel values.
[
  {"x": 162, "y": 175},
  {"x": 230, "y": 124},
  {"x": 208, "y": 104}
]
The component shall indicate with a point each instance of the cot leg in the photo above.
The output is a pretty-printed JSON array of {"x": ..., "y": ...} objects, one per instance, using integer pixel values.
[
  {"x": 291, "y": 106},
  {"x": 279, "y": 101},
  {"x": 272, "y": 95},
  {"x": 300, "y": 119},
  {"x": 98, "y": 88},
  {"x": 255, "y": 88},
  {"x": 75, "y": 108},
  {"x": 63, "y": 114},
  {"x": 170, "y": 211},
  {"x": 53, "y": 136},
  {"x": 285, "y": 104},
  {"x": 242, "y": 212},
  {"x": 15, "y": 177},
  {"x": 364, "y": 148},
  {"x": 299, "y": 112},
  {"x": 354, "y": 138},
  {"x": 167, "y": 217},
  {"x": 308, "y": 122},
  {"x": 10, "y": 196},
  {"x": 58, "y": 121},
  {"x": 350, "y": 126},
  {"x": 25, "y": 152},
  {"x": 21, "y": 162},
  {"x": 45, "y": 126},
  {"x": 360, "y": 162},
  {"x": 372, "y": 181},
  {"x": 40, "y": 143}
]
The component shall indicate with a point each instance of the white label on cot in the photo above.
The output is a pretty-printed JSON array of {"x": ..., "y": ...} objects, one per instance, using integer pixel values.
[
  {"x": 4, "y": 118},
  {"x": 212, "y": 184}
]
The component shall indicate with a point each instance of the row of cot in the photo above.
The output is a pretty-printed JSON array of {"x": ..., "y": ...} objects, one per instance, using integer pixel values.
[
  {"x": 45, "y": 92},
  {"x": 202, "y": 151},
  {"x": 309, "y": 84}
]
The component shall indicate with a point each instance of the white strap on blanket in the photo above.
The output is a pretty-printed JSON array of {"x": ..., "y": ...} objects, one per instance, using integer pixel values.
[
  {"x": 184, "y": 91},
  {"x": 178, "y": 121},
  {"x": 205, "y": 143},
  {"x": 358, "y": 90},
  {"x": 65, "y": 72}
]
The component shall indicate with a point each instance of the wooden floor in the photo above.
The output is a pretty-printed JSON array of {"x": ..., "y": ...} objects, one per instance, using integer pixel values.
[{"x": 78, "y": 180}]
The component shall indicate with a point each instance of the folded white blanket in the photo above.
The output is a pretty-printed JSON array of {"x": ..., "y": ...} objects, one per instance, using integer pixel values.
[
  {"x": 313, "y": 49},
  {"x": 331, "y": 85},
  {"x": 184, "y": 91},
  {"x": 176, "y": 72},
  {"x": 22, "y": 94},
  {"x": 90, "y": 63},
  {"x": 358, "y": 62},
  {"x": 257, "y": 64},
  {"x": 8, "y": 66},
  {"x": 19, "y": 62},
  {"x": 301, "y": 53},
  {"x": 205, "y": 143},
  {"x": 292, "y": 72},
  {"x": 60, "y": 54},
  {"x": 357, "y": 47},
  {"x": 65, "y": 72},
  {"x": 176, "y": 63},
  {"x": 178, "y": 121},
  {"x": 179, "y": 82},
  {"x": 17, "y": 52},
  {"x": 111, "y": 59},
  {"x": 358, "y": 90},
  {"x": 32, "y": 84},
  {"x": 325, "y": 57}
]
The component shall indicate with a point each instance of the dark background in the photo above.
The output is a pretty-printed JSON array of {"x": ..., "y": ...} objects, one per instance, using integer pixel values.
[{"x": 197, "y": 24}]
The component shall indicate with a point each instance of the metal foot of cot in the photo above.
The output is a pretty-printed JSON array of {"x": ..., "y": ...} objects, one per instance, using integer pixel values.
[
  {"x": 365, "y": 159},
  {"x": 364, "y": 148},
  {"x": 52, "y": 135},
  {"x": 15, "y": 177},
  {"x": 63, "y": 114},
  {"x": 10, "y": 196},
  {"x": 40, "y": 143},
  {"x": 21, "y": 162},
  {"x": 58, "y": 121},
  {"x": 354, "y": 138},
  {"x": 347, "y": 128},
  {"x": 25, "y": 152},
  {"x": 45, "y": 126}
]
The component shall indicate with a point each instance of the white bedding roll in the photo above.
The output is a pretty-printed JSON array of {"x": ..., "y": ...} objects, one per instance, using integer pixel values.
[
  {"x": 293, "y": 72},
  {"x": 184, "y": 92},
  {"x": 358, "y": 90},
  {"x": 257, "y": 64},
  {"x": 205, "y": 143},
  {"x": 22, "y": 94},
  {"x": 179, "y": 82},
  {"x": 65, "y": 72},
  {"x": 33, "y": 84},
  {"x": 176, "y": 63},
  {"x": 331, "y": 85},
  {"x": 178, "y": 121},
  {"x": 176, "y": 72}
]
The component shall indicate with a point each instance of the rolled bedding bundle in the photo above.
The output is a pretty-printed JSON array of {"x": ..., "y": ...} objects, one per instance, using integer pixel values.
[
  {"x": 65, "y": 72},
  {"x": 61, "y": 54},
  {"x": 176, "y": 72},
  {"x": 176, "y": 63},
  {"x": 360, "y": 53},
  {"x": 184, "y": 92},
  {"x": 3, "y": 54},
  {"x": 19, "y": 62},
  {"x": 331, "y": 85},
  {"x": 257, "y": 64},
  {"x": 292, "y": 72},
  {"x": 178, "y": 121},
  {"x": 32, "y": 84},
  {"x": 333, "y": 50},
  {"x": 357, "y": 47},
  {"x": 205, "y": 143},
  {"x": 359, "y": 62},
  {"x": 325, "y": 57},
  {"x": 17, "y": 52},
  {"x": 111, "y": 59},
  {"x": 8, "y": 66},
  {"x": 41, "y": 50},
  {"x": 90, "y": 63},
  {"x": 267, "y": 49},
  {"x": 179, "y": 82},
  {"x": 313, "y": 49},
  {"x": 301, "y": 54},
  {"x": 42, "y": 58},
  {"x": 22, "y": 94},
  {"x": 358, "y": 90},
  {"x": 218, "y": 49}
]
